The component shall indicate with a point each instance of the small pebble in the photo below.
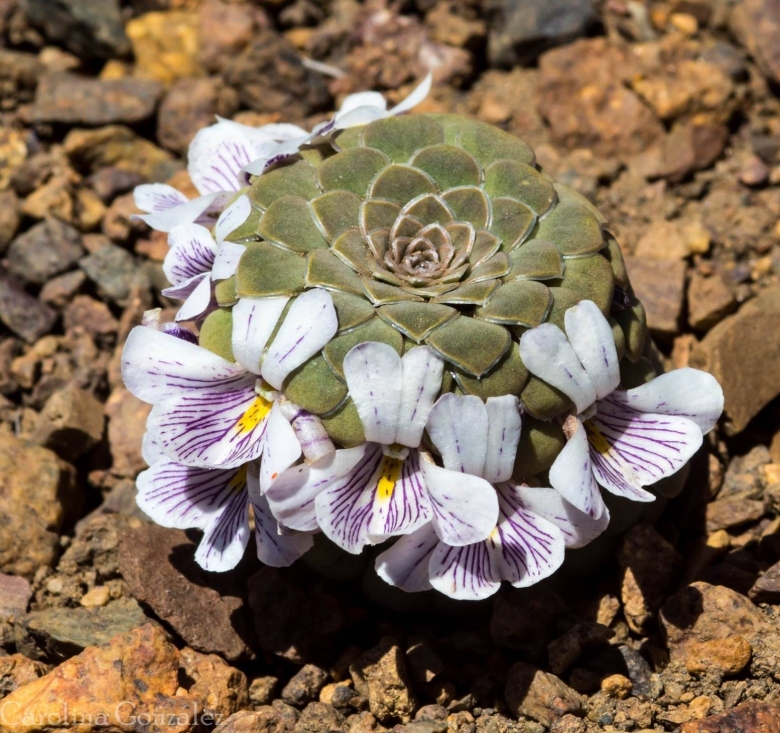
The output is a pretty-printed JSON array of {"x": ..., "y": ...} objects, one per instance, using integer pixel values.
[
  {"x": 98, "y": 596},
  {"x": 616, "y": 685}
]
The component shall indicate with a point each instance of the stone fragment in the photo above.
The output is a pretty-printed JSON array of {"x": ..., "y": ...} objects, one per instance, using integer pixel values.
[
  {"x": 108, "y": 183},
  {"x": 159, "y": 568},
  {"x": 617, "y": 686},
  {"x": 750, "y": 717},
  {"x": 97, "y": 597},
  {"x": 743, "y": 353},
  {"x": 424, "y": 664},
  {"x": 539, "y": 695},
  {"x": 710, "y": 300},
  {"x": 304, "y": 686},
  {"x": 660, "y": 287},
  {"x": 767, "y": 588},
  {"x": 23, "y": 314},
  {"x": 45, "y": 250},
  {"x": 19, "y": 72},
  {"x": 126, "y": 425},
  {"x": 90, "y": 315},
  {"x": 729, "y": 656},
  {"x": 663, "y": 240},
  {"x": 9, "y": 218},
  {"x": 221, "y": 689},
  {"x": 262, "y": 689},
  {"x": 338, "y": 694},
  {"x": 318, "y": 717},
  {"x": 17, "y": 670},
  {"x": 264, "y": 720},
  {"x": 688, "y": 148},
  {"x": 59, "y": 290},
  {"x": 77, "y": 100},
  {"x": 757, "y": 25},
  {"x": 15, "y": 594},
  {"x": 567, "y": 648},
  {"x": 116, "y": 273},
  {"x": 70, "y": 423},
  {"x": 728, "y": 513},
  {"x": 55, "y": 198},
  {"x": 13, "y": 152},
  {"x": 225, "y": 30},
  {"x": 381, "y": 675},
  {"x": 120, "y": 222}
]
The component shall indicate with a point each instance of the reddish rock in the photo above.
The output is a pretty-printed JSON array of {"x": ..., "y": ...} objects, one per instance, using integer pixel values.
[
  {"x": 757, "y": 24},
  {"x": 710, "y": 300},
  {"x": 15, "y": 594},
  {"x": 660, "y": 286},
  {"x": 539, "y": 695},
  {"x": 750, "y": 717},
  {"x": 126, "y": 426}
]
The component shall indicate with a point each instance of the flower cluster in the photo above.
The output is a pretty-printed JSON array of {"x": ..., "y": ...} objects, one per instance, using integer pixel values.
[{"x": 407, "y": 335}]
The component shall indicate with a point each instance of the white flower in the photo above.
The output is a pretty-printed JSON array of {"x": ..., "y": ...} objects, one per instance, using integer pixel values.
[{"x": 623, "y": 440}]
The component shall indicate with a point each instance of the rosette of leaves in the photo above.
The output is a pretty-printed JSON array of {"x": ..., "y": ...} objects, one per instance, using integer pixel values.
[{"x": 438, "y": 230}]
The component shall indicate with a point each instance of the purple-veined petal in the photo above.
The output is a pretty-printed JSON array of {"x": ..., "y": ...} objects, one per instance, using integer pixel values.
[
  {"x": 374, "y": 376},
  {"x": 157, "y": 365},
  {"x": 186, "y": 213},
  {"x": 150, "y": 450},
  {"x": 346, "y": 507},
  {"x": 405, "y": 564},
  {"x": 631, "y": 449},
  {"x": 180, "y": 332},
  {"x": 217, "y": 156},
  {"x": 458, "y": 427},
  {"x": 273, "y": 132},
  {"x": 226, "y": 260},
  {"x": 686, "y": 392},
  {"x": 465, "y": 507},
  {"x": 504, "y": 425},
  {"x": 152, "y": 197},
  {"x": 418, "y": 94},
  {"x": 361, "y": 99},
  {"x": 310, "y": 323},
  {"x": 571, "y": 475},
  {"x": 232, "y": 217},
  {"x": 199, "y": 302},
  {"x": 590, "y": 335},
  {"x": 422, "y": 371},
  {"x": 358, "y": 116},
  {"x": 254, "y": 320},
  {"x": 292, "y": 495},
  {"x": 271, "y": 152},
  {"x": 224, "y": 541},
  {"x": 281, "y": 448},
  {"x": 401, "y": 503},
  {"x": 184, "y": 289},
  {"x": 465, "y": 573},
  {"x": 309, "y": 430},
  {"x": 577, "y": 527},
  {"x": 192, "y": 251},
  {"x": 547, "y": 353}
]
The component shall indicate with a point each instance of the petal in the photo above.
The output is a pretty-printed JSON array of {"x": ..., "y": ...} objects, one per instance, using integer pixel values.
[
  {"x": 465, "y": 573},
  {"x": 418, "y": 94},
  {"x": 226, "y": 260},
  {"x": 571, "y": 475},
  {"x": 157, "y": 365},
  {"x": 281, "y": 448},
  {"x": 192, "y": 251},
  {"x": 685, "y": 392},
  {"x": 422, "y": 372},
  {"x": 577, "y": 527},
  {"x": 405, "y": 564},
  {"x": 401, "y": 504},
  {"x": 345, "y": 509},
  {"x": 272, "y": 152},
  {"x": 631, "y": 449},
  {"x": 310, "y": 323},
  {"x": 198, "y": 301},
  {"x": 361, "y": 99},
  {"x": 458, "y": 427},
  {"x": 183, "y": 290},
  {"x": 217, "y": 155},
  {"x": 356, "y": 117},
  {"x": 211, "y": 428},
  {"x": 309, "y": 430},
  {"x": 186, "y": 213},
  {"x": 547, "y": 354},
  {"x": 254, "y": 320},
  {"x": 273, "y": 132},
  {"x": 232, "y": 217},
  {"x": 225, "y": 540},
  {"x": 292, "y": 495},
  {"x": 181, "y": 497},
  {"x": 465, "y": 507},
  {"x": 150, "y": 450},
  {"x": 527, "y": 547},
  {"x": 374, "y": 376},
  {"x": 151, "y": 197},
  {"x": 590, "y": 335},
  {"x": 504, "y": 424}
]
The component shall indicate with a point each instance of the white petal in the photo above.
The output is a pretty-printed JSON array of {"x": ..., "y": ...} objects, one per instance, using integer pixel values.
[
  {"x": 465, "y": 507},
  {"x": 273, "y": 132},
  {"x": 156, "y": 365},
  {"x": 361, "y": 99},
  {"x": 591, "y": 337},
  {"x": 577, "y": 527},
  {"x": 685, "y": 392},
  {"x": 292, "y": 495},
  {"x": 458, "y": 427},
  {"x": 225, "y": 540},
  {"x": 422, "y": 371},
  {"x": 405, "y": 564},
  {"x": 374, "y": 376},
  {"x": 181, "y": 291},
  {"x": 310, "y": 323},
  {"x": 358, "y": 116},
  {"x": 150, "y": 450},
  {"x": 151, "y": 197},
  {"x": 232, "y": 217},
  {"x": 192, "y": 250},
  {"x": 217, "y": 155},
  {"x": 547, "y": 354},
  {"x": 281, "y": 448},
  {"x": 418, "y": 94},
  {"x": 309, "y": 430},
  {"x": 254, "y": 320},
  {"x": 465, "y": 573},
  {"x": 226, "y": 260},
  {"x": 198, "y": 301},
  {"x": 186, "y": 213},
  {"x": 571, "y": 475},
  {"x": 270, "y": 153},
  {"x": 504, "y": 424}
]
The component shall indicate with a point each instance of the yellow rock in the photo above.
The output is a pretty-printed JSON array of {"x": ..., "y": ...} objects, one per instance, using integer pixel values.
[{"x": 13, "y": 152}]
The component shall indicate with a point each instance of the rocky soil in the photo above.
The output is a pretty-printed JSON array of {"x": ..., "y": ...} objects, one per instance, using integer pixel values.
[{"x": 666, "y": 113}]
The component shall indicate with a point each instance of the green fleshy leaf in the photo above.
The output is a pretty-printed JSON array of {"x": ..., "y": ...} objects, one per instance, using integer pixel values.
[
  {"x": 542, "y": 400},
  {"x": 216, "y": 333},
  {"x": 519, "y": 181},
  {"x": 518, "y": 303},
  {"x": 296, "y": 179},
  {"x": 344, "y": 426},
  {"x": 492, "y": 268},
  {"x": 568, "y": 195},
  {"x": 635, "y": 374},
  {"x": 592, "y": 279},
  {"x": 449, "y": 166},
  {"x": 540, "y": 444},
  {"x": 402, "y": 183},
  {"x": 614, "y": 256},
  {"x": 315, "y": 387},
  {"x": 373, "y": 330},
  {"x": 351, "y": 310},
  {"x": 633, "y": 321},
  {"x": 336, "y": 212},
  {"x": 469, "y": 294},
  {"x": 246, "y": 232},
  {"x": 563, "y": 299},
  {"x": 429, "y": 209},
  {"x": 432, "y": 291},
  {"x": 416, "y": 320},
  {"x": 352, "y": 248},
  {"x": 472, "y": 346},
  {"x": 325, "y": 270},
  {"x": 619, "y": 336},
  {"x": 346, "y": 139},
  {"x": 225, "y": 292},
  {"x": 400, "y": 137},
  {"x": 463, "y": 237},
  {"x": 485, "y": 246},
  {"x": 353, "y": 170},
  {"x": 573, "y": 229},
  {"x": 288, "y": 222},
  {"x": 536, "y": 260},
  {"x": 314, "y": 154},
  {"x": 383, "y": 294},
  {"x": 469, "y": 204},
  {"x": 378, "y": 214},
  {"x": 266, "y": 270},
  {"x": 507, "y": 377},
  {"x": 512, "y": 222}
]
